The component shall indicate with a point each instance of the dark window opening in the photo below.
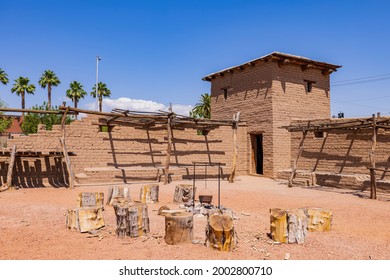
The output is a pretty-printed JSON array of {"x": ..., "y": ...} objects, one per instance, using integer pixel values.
[
  {"x": 202, "y": 132},
  {"x": 309, "y": 85},
  {"x": 257, "y": 153},
  {"x": 225, "y": 95},
  {"x": 319, "y": 134}
]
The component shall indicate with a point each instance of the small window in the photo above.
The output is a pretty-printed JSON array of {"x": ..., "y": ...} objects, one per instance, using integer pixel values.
[
  {"x": 309, "y": 85},
  {"x": 202, "y": 132},
  {"x": 225, "y": 95},
  {"x": 105, "y": 128},
  {"x": 319, "y": 134}
]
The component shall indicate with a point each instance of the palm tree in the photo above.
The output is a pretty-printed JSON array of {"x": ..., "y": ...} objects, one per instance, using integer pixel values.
[
  {"x": 3, "y": 77},
  {"x": 49, "y": 79},
  {"x": 202, "y": 109},
  {"x": 102, "y": 91},
  {"x": 21, "y": 87},
  {"x": 75, "y": 92}
]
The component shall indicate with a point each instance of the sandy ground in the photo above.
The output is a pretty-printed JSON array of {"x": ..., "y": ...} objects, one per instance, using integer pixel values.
[{"x": 32, "y": 225}]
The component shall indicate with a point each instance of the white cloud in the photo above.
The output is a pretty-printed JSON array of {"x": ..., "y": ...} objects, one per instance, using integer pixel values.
[{"x": 126, "y": 103}]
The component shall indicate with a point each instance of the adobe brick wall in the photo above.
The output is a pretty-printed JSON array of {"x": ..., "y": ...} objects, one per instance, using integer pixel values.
[
  {"x": 130, "y": 147},
  {"x": 270, "y": 96}
]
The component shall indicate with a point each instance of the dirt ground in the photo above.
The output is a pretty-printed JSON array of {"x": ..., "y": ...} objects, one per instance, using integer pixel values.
[{"x": 32, "y": 225}]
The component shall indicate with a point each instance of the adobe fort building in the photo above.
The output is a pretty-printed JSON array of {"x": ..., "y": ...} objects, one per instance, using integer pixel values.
[{"x": 269, "y": 92}]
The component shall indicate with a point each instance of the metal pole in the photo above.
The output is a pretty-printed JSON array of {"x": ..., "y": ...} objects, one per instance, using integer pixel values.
[{"x": 97, "y": 80}]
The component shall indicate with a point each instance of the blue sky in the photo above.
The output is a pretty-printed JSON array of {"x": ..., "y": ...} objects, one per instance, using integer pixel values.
[{"x": 159, "y": 50}]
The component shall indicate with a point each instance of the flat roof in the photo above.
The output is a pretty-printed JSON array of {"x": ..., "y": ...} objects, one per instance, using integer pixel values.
[{"x": 282, "y": 58}]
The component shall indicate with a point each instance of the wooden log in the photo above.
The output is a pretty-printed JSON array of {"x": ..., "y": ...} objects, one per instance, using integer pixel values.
[
  {"x": 149, "y": 193},
  {"x": 184, "y": 193},
  {"x": 295, "y": 163},
  {"x": 319, "y": 219},
  {"x": 85, "y": 219},
  {"x": 179, "y": 228},
  {"x": 67, "y": 162},
  {"x": 278, "y": 220},
  {"x": 297, "y": 226},
  {"x": 372, "y": 160},
  {"x": 132, "y": 219},
  {"x": 169, "y": 150},
  {"x": 220, "y": 233},
  {"x": 236, "y": 119},
  {"x": 90, "y": 199},
  {"x": 118, "y": 194},
  {"x": 11, "y": 164}
]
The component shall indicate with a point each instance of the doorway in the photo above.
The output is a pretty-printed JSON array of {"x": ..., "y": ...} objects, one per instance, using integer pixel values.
[{"x": 257, "y": 153}]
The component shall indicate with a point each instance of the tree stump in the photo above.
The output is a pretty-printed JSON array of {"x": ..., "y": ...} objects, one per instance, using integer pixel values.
[
  {"x": 85, "y": 219},
  {"x": 178, "y": 227},
  {"x": 90, "y": 199},
  {"x": 278, "y": 219},
  {"x": 319, "y": 219},
  {"x": 220, "y": 233},
  {"x": 297, "y": 225},
  {"x": 132, "y": 219},
  {"x": 149, "y": 193},
  {"x": 118, "y": 194},
  {"x": 184, "y": 193}
]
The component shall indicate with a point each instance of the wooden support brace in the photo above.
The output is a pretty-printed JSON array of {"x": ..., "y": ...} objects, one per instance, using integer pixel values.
[
  {"x": 294, "y": 168},
  {"x": 169, "y": 150},
  {"x": 236, "y": 119},
  {"x": 8, "y": 184},
  {"x": 372, "y": 160}
]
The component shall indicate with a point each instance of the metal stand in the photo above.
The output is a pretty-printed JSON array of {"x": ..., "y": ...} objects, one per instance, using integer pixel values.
[{"x": 205, "y": 164}]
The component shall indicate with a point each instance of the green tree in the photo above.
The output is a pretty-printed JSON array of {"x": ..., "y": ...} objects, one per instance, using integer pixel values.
[
  {"x": 49, "y": 79},
  {"x": 75, "y": 92},
  {"x": 202, "y": 109},
  {"x": 102, "y": 91},
  {"x": 21, "y": 87},
  {"x": 3, "y": 77},
  {"x": 31, "y": 120},
  {"x": 4, "y": 121}
]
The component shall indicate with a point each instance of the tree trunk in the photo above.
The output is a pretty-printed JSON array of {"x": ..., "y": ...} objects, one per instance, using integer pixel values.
[
  {"x": 100, "y": 103},
  {"x": 49, "y": 96},
  {"x": 91, "y": 199},
  {"x": 118, "y": 194},
  {"x": 319, "y": 219},
  {"x": 132, "y": 219},
  {"x": 297, "y": 226},
  {"x": 184, "y": 193},
  {"x": 278, "y": 219},
  {"x": 149, "y": 193},
  {"x": 220, "y": 233},
  {"x": 85, "y": 219},
  {"x": 179, "y": 228}
]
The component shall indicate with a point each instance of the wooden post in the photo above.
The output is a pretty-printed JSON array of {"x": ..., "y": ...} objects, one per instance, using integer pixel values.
[
  {"x": 184, "y": 193},
  {"x": 90, "y": 199},
  {"x": 169, "y": 149},
  {"x": 220, "y": 233},
  {"x": 236, "y": 119},
  {"x": 149, "y": 193},
  {"x": 11, "y": 164},
  {"x": 294, "y": 168},
  {"x": 85, "y": 219},
  {"x": 179, "y": 227},
  {"x": 372, "y": 160},
  {"x": 132, "y": 219},
  {"x": 65, "y": 151},
  {"x": 118, "y": 194}
]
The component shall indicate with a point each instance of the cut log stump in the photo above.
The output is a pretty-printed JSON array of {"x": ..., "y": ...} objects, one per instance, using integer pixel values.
[
  {"x": 297, "y": 226},
  {"x": 178, "y": 227},
  {"x": 90, "y": 199},
  {"x": 118, "y": 194},
  {"x": 278, "y": 219},
  {"x": 184, "y": 193},
  {"x": 319, "y": 219},
  {"x": 149, "y": 193},
  {"x": 132, "y": 219},
  {"x": 220, "y": 233},
  {"x": 85, "y": 219},
  {"x": 288, "y": 226}
]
